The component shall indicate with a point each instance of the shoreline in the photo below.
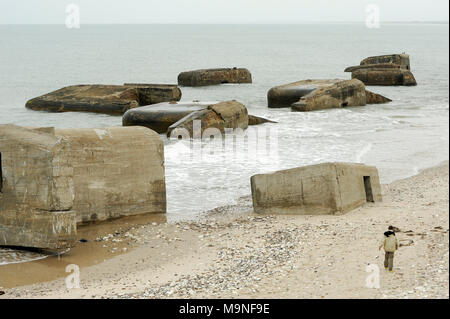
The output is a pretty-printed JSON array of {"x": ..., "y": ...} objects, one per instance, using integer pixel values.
[{"x": 263, "y": 253}]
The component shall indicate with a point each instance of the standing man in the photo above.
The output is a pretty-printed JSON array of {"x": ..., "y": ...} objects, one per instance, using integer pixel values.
[{"x": 390, "y": 245}]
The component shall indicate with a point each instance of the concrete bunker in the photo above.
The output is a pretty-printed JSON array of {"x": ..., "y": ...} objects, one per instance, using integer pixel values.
[
  {"x": 55, "y": 179},
  {"x": 204, "y": 77},
  {"x": 328, "y": 188},
  {"x": 311, "y": 95},
  {"x": 107, "y": 99},
  {"x": 166, "y": 117},
  {"x": 392, "y": 69}
]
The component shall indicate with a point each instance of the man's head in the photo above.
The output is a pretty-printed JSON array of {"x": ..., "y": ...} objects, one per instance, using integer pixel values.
[{"x": 391, "y": 228}]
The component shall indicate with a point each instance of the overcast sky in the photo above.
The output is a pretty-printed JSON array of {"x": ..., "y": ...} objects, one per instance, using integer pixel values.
[{"x": 219, "y": 11}]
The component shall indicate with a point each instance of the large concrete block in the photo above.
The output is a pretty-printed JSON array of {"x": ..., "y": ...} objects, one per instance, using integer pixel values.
[
  {"x": 39, "y": 229},
  {"x": 215, "y": 118},
  {"x": 402, "y": 60},
  {"x": 335, "y": 95},
  {"x": 163, "y": 117},
  {"x": 385, "y": 77},
  {"x": 329, "y": 188},
  {"x": 392, "y": 69},
  {"x": 36, "y": 189},
  {"x": 108, "y": 99},
  {"x": 156, "y": 93},
  {"x": 311, "y": 95},
  {"x": 52, "y": 179},
  {"x": 118, "y": 171},
  {"x": 214, "y": 76},
  {"x": 159, "y": 117}
]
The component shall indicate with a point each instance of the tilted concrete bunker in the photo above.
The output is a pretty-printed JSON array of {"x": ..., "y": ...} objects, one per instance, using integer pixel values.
[
  {"x": 170, "y": 117},
  {"x": 311, "y": 95},
  {"x": 329, "y": 188},
  {"x": 53, "y": 179},
  {"x": 107, "y": 99},
  {"x": 392, "y": 69}
]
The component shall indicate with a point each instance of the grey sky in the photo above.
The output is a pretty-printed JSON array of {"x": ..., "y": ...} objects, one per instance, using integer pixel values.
[{"x": 219, "y": 11}]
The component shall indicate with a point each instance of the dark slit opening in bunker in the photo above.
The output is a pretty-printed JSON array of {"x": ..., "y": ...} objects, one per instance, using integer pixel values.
[
  {"x": 1, "y": 174},
  {"x": 368, "y": 188}
]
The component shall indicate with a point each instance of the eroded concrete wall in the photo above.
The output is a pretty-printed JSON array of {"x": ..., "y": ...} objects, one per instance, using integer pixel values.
[
  {"x": 352, "y": 191},
  {"x": 214, "y": 76},
  {"x": 309, "y": 190},
  {"x": 108, "y": 99},
  {"x": 213, "y": 120},
  {"x": 53, "y": 179},
  {"x": 118, "y": 171},
  {"x": 37, "y": 189},
  {"x": 53, "y": 230},
  {"x": 402, "y": 60}
]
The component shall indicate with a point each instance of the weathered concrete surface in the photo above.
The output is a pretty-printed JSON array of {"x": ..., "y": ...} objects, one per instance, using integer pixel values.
[
  {"x": 329, "y": 188},
  {"x": 333, "y": 94},
  {"x": 36, "y": 190},
  {"x": 393, "y": 69},
  {"x": 371, "y": 66},
  {"x": 159, "y": 117},
  {"x": 117, "y": 171},
  {"x": 51, "y": 230},
  {"x": 389, "y": 77},
  {"x": 256, "y": 120},
  {"x": 374, "y": 98},
  {"x": 394, "y": 61},
  {"x": 308, "y": 94},
  {"x": 311, "y": 95},
  {"x": 402, "y": 60},
  {"x": 156, "y": 93},
  {"x": 108, "y": 99},
  {"x": 214, "y": 76},
  {"x": 214, "y": 118},
  {"x": 53, "y": 179},
  {"x": 287, "y": 94}
]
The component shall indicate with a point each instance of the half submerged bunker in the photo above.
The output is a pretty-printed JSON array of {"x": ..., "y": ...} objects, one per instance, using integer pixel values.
[
  {"x": 204, "y": 77},
  {"x": 391, "y": 69},
  {"x": 179, "y": 116},
  {"x": 107, "y": 99},
  {"x": 312, "y": 95}
]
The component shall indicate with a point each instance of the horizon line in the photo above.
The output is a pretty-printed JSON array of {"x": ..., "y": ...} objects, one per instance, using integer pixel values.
[{"x": 243, "y": 23}]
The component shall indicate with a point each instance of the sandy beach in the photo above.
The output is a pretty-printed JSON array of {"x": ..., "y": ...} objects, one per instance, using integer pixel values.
[{"x": 233, "y": 253}]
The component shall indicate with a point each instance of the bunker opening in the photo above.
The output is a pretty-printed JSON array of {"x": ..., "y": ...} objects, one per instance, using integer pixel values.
[
  {"x": 368, "y": 189},
  {"x": 1, "y": 174}
]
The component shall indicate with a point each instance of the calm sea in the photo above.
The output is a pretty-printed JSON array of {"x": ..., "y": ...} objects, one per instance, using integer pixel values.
[{"x": 400, "y": 138}]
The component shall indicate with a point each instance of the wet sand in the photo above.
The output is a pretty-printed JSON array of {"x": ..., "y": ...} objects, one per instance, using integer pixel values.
[
  {"x": 83, "y": 254},
  {"x": 233, "y": 253}
]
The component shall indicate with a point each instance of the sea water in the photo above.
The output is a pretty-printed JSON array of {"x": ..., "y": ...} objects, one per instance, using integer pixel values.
[{"x": 400, "y": 138}]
